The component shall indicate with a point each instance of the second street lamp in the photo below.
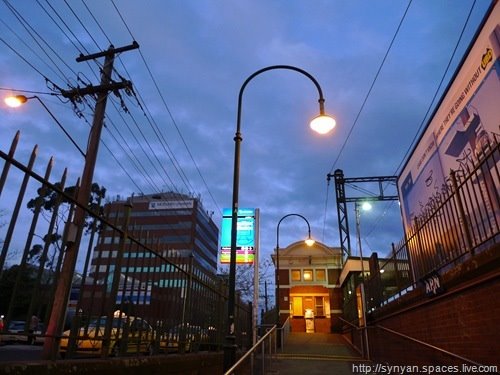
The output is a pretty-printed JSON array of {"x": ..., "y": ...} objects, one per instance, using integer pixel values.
[
  {"x": 18, "y": 100},
  {"x": 322, "y": 124},
  {"x": 366, "y": 206},
  {"x": 308, "y": 241}
]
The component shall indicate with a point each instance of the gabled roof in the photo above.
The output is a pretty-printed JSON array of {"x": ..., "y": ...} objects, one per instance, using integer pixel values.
[
  {"x": 299, "y": 253},
  {"x": 300, "y": 249}
]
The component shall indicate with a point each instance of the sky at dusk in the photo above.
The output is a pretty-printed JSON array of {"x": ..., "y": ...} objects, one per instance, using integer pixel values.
[{"x": 382, "y": 67}]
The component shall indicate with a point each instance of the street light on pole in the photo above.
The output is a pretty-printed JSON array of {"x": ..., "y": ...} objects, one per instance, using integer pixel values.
[
  {"x": 18, "y": 100},
  {"x": 321, "y": 124},
  {"x": 309, "y": 241},
  {"x": 365, "y": 206}
]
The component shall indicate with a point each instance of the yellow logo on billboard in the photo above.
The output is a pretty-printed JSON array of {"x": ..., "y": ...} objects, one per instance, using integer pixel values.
[{"x": 487, "y": 57}]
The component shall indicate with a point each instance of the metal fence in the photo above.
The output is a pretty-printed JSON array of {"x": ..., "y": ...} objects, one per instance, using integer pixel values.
[
  {"x": 460, "y": 220},
  {"x": 260, "y": 358},
  {"x": 146, "y": 301}
]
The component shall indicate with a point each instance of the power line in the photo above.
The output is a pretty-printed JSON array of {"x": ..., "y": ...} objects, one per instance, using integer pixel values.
[
  {"x": 168, "y": 110},
  {"x": 32, "y": 32},
  {"x": 410, "y": 147},
  {"x": 83, "y": 49},
  {"x": 371, "y": 87},
  {"x": 83, "y": 26}
]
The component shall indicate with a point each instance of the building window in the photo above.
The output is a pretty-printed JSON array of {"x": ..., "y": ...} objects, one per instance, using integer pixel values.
[
  {"x": 320, "y": 311},
  {"x": 296, "y": 306},
  {"x": 320, "y": 275},
  {"x": 296, "y": 275},
  {"x": 308, "y": 275}
]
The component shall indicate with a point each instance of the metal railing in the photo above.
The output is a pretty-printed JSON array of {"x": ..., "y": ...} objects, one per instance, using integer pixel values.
[
  {"x": 285, "y": 330},
  {"x": 259, "y": 359},
  {"x": 131, "y": 294},
  {"x": 357, "y": 338},
  {"x": 460, "y": 220}
]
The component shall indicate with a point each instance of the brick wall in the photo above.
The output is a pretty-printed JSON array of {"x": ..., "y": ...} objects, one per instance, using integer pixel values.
[
  {"x": 464, "y": 320},
  {"x": 189, "y": 364}
]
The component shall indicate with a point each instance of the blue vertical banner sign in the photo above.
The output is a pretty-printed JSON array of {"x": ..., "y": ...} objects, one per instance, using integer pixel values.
[{"x": 245, "y": 237}]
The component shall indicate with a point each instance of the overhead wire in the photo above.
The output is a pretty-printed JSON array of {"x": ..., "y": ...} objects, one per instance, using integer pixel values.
[
  {"x": 378, "y": 221},
  {"x": 429, "y": 109},
  {"x": 23, "y": 21},
  {"x": 130, "y": 153},
  {"x": 96, "y": 22},
  {"x": 367, "y": 96},
  {"x": 117, "y": 160},
  {"x": 438, "y": 88},
  {"x": 365, "y": 100},
  {"x": 81, "y": 24},
  {"x": 153, "y": 125},
  {"x": 28, "y": 62},
  {"x": 169, "y": 112},
  {"x": 85, "y": 28},
  {"x": 108, "y": 118},
  {"x": 22, "y": 41},
  {"x": 80, "y": 49},
  {"x": 150, "y": 119},
  {"x": 32, "y": 32},
  {"x": 164, "y": 144}
]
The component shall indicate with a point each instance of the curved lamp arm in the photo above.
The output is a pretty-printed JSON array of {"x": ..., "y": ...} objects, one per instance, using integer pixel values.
[
  {"x": 229, "y": 353},
  {"x": 309, "y": 241},
  {"x": 321, "y": 99}
]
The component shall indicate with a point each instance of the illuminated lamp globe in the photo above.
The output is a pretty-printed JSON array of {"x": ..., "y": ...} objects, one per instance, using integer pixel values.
[
  {"x": 366, "y": 206},
  {"x": 323, "y": 124},
  {"x": 15, "y": 101},
  {"x": 309, "y": 241}
]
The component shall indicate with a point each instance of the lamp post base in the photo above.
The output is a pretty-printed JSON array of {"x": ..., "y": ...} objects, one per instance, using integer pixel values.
[{"x": 229, "y": 352}]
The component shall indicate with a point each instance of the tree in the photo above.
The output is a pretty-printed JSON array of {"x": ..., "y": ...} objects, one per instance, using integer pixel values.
[
  {"x": 23, "y": 296},
  {"x": 245, "y": 278},
  {"x": 36, "y": 255},
  {"x": 48, "y": 201}
]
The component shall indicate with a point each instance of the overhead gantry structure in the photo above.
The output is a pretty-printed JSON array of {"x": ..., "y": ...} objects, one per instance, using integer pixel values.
[{"x": 342, "y": 200}]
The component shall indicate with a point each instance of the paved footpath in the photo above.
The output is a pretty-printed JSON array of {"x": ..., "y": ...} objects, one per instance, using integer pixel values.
[{"x": 315, "y": 354}]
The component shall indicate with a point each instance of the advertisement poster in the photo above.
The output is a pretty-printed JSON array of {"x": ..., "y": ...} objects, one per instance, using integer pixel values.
[{"x": 461, "y": 129}]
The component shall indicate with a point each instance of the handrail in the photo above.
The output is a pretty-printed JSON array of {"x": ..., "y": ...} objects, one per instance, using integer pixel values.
[
  {"x": 349, "y": 323},
  {"x": 444, "y": 351},
  {"x": 364, "y": 351},
  {"x": 428, "y": 345},
  {"x": 285, "y": 331},
  {"x": 245, "y": 356}
]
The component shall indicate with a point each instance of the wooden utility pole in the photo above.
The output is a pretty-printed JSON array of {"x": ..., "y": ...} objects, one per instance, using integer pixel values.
[{"x": 75, "y": 227}]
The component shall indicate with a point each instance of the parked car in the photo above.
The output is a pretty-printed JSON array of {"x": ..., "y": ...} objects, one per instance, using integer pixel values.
[
  {"x": 187, "y": 335},
  {"x": 134, "y": 331},
  {"x": 18, "y": 332}
]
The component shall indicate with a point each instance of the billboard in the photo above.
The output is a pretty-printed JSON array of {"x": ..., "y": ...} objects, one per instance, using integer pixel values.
[
  {"x": 461, "y": 128},
  {"x": 246, "y": 227}
]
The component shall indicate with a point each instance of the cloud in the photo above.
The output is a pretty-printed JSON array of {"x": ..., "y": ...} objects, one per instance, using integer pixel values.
[{"x": 199, "y": 54}]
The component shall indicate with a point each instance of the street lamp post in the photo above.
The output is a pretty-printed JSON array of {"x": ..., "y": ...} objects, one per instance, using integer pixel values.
[
  {"x": 309, "y": 242},
  {"x": 365, "y": 206},
  {"x": 321, "y": 124}
]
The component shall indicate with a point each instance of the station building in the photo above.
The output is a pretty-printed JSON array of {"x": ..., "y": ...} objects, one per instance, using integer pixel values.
[{"x": 309, "y": 289}]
